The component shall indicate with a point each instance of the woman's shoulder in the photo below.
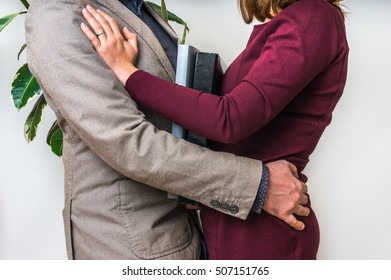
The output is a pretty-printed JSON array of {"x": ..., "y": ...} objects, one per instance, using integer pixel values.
[
  {"x": 314, "y": 10},
  {"x": 309, "y": 16},
  {"x": 312, "y": 6}
]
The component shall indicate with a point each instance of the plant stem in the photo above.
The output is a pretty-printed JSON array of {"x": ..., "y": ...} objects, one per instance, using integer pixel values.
[
  {"x": 184, "y": 34},
  {"x": 164, "y": 11}
]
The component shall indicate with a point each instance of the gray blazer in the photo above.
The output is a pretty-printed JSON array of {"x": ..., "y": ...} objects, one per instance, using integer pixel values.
[{"x": 119, "y": 162}]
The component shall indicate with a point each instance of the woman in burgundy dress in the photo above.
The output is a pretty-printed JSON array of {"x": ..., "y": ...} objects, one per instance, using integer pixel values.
[{"x": 277, "y": 99}]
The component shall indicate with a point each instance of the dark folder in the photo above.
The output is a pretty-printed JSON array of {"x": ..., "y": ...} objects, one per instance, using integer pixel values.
[{"x": 202, "y": 71}]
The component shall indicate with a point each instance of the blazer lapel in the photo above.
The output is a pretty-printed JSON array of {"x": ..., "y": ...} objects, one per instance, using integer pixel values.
[
  {"x": 140, "y": 28},
  {"x": 162, "y": 22}
]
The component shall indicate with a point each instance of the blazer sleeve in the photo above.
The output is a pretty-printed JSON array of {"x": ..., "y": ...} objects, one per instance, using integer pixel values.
[{"x": 95, "y": 105}]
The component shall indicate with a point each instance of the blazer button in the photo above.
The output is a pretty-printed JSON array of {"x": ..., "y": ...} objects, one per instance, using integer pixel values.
[
  {"x": 234, "y": 209},
  {"x": 224, "y": 206},
  {"x": 215, "y": 203}
]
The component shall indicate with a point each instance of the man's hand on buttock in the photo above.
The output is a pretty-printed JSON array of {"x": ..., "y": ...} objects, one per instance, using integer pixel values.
[{"x": 286, "y": 195}]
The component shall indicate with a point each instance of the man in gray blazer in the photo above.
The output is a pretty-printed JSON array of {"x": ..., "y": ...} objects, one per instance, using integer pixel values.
[{"x": 120, "y": 162}]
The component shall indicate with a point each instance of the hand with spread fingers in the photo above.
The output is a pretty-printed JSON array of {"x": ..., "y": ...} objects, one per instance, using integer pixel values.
[
  {"x": 118, "y": 50},
  {"x": 286, "y": 196}
]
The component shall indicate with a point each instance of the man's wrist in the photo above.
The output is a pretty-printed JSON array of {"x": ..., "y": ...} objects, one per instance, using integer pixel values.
[{"x": 261, "y": 195}]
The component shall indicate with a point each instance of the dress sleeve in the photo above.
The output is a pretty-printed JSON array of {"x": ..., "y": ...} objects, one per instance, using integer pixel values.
[{"x": 294, "y": 53}]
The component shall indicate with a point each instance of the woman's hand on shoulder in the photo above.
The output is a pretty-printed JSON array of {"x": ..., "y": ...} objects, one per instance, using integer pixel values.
[{"x": 118, "y": 49}]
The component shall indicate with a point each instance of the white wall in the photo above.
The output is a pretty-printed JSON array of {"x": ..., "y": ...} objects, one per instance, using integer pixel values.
[
  {"x": 348, "y": 172},
  {"x": 31, "y": 184}
]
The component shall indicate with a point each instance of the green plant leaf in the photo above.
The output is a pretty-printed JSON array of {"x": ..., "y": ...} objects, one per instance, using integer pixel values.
[
  {"x": 55, "y": 139},
  {"x": 25, "y": 3},
  {"x": 171, "y": 17},
  {"x": 34, "y": 119},
  {"x": 24, "y": 87},
  {"x": 175, "y": 18},
  {"x": 21, "y": 50},
  {"x": 56, "y": 142},
  {"x": 4, "y": 21},
  {"x": 51, "y": 131}
]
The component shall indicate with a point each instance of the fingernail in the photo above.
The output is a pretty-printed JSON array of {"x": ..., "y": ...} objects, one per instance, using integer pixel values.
[
  {"x": 89, "y": 7},
  {"x": 82, "y": 25},
  {"x": 84, "y": 11}
]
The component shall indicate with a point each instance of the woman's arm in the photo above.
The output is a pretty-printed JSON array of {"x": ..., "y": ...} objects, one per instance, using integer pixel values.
[
  {"x": 292, "y": 56},
  {"x": 226, "y": 119}
]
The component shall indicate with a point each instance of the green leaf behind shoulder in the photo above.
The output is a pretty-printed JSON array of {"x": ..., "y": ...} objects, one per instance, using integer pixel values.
[
  {"x": 56, "y": 142},
  {"x": 24, "y": 87},
  {"x": 34, "y": 119}
]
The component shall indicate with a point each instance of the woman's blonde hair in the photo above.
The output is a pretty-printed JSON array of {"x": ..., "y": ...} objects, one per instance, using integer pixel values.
[{"x": 263, "y": 9}]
